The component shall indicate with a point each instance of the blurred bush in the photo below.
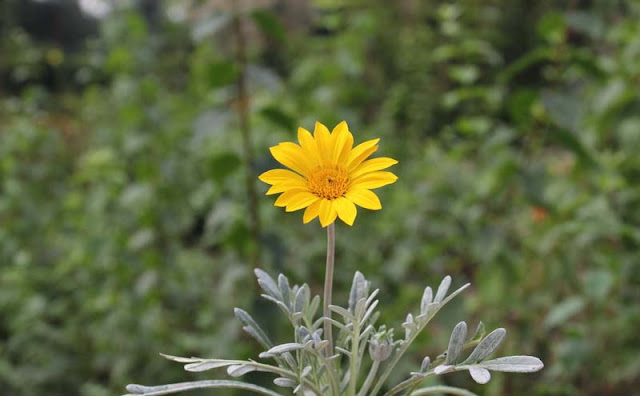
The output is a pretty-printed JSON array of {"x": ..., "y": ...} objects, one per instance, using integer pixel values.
[{"x": 124, "y": 205}]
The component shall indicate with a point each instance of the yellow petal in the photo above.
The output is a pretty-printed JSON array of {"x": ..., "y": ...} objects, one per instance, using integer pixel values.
[
  {"x": 346, "y": 210},
  {"x": 292, "y": 181},
  {"x": 323, "y": 140},
  {"x": 309, "y": 145},
  {"x": 340, "y": 136},
  {"x": 275, "y": 176},
  {"x": 346, "y": 149},
  {"x": 327, "y": 213},
  {"x": 373, "y": 180},
  {"x": 311, "y": 212},
  {"x": 287, "y": 185},
  {"x": 300, "y": 201},
  {"x": 373, "y": 165},
  {"x": 286, "y": 197},
  {"x": 361, "y": 152},
  {"x": 291, "y": 155},
  {"x": 364, "y": 198}
]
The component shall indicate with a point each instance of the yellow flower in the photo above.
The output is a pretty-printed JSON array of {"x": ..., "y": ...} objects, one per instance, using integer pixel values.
[{"x": 328, "y": 175}]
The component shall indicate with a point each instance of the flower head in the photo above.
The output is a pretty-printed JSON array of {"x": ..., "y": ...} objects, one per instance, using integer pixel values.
[{"x": 328, "y": 175}]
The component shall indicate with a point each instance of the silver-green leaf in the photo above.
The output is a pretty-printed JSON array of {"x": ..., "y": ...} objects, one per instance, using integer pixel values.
[
  {"x": 486, "y": 347},
  {"x": 514, "y": 364},
  {"x": 480, "y": 375},
  {"x": 456, "y": 342}
]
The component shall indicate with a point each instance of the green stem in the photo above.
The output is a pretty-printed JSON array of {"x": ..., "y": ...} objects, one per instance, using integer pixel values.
[
  {"x": 370, "y": 377},
  {"x": 410, "y": 383},
  {"x": 328, "y": 286},
  {"x": 389, "y": 367},
  {"x": 354, "y": 359},
  {"x": 330, "y": 373},
  {"x": 414, "y": 382}
]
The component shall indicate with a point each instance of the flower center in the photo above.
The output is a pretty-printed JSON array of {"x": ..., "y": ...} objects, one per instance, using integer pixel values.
[{"x": 328, "y": 181}]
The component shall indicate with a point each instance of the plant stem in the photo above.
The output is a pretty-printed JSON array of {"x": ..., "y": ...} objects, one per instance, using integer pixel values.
[
  {"x": 389, "y": 367},
  {"x": 328, "y": 285},
  {"x": 330, "y": 373},
  {"x": 370, "y": 377},
  {"x": 412, "y": 383},
  {"x": 354, "y": 358}
]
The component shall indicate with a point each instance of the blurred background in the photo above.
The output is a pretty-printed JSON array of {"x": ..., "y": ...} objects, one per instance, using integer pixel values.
[{"x": 132, "y": 133}]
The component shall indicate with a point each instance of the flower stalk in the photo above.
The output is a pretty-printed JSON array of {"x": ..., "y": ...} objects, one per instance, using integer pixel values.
[{"x": 328, "y": 286}]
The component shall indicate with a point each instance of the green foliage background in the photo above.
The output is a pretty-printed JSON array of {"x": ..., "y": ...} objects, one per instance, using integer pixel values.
[{"x": 124, "y": 226}]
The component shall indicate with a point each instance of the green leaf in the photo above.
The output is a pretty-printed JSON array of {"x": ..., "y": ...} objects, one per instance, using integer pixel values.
[
  {"x": 585, "y": 22},
  {"x": 565, "y": 110},
  {"x": 269, "y": 24},
  {"x": 552, "y": 27},
  {"x": 571, "y": 142},
  {"x": 221, "y": 74},
  {"x": 278, "y": 117},
  {"x": 598, "y": 283},
  {"x": 563, "y": 311},
  {"x": 224, "y": 165}
]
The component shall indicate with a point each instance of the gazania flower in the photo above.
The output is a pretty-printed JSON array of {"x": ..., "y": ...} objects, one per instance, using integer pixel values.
[{"x": 328, "y": 176}]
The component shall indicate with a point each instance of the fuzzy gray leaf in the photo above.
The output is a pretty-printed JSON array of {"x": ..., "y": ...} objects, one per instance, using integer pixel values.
[
  {"x": 443, "y": 289},
  {"x": 360, "y": 308},
  {"x": 429, "y": 312},
  {"x": 480, "y": 331},
  {"x": 427, "y": 298},
  {"x": 372, "y": 296},
  {"x": 282, "y": 348},
  {"x": 443, "y": 368},
  {"x": 313, "y": 307},
  {"x": 279, "y": 303},
  {"x": 486, "y": 347},
  {"x": 456, "y": 342},
  {"x": 514, "y": 364},
  {"x": 268, "y": 284},
  {"x": 253, "y": 328},
  {"x": 238, "y": 370},
  {"x": 301, "y": 298},
  {"x": 342, "y": 312},
  {"x": 206, "y": 365},
  {"x": 186, "y": 386},
  {"x": 181, "y": 359},
  {"x": 359, "y": 290},
  {"x": 285, "y": 290},
  {"x": 370, "y": 311},
  {"x": 426, "y": 362},
  {"x": 455, "y": 293},
  {"x": 409, "y": 326},
  {"x": 480, "y": 375},
  {"x": 285, "y": 382}
]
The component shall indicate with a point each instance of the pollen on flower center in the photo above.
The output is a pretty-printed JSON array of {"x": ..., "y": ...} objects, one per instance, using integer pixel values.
[{"x": 329, "y": 182}]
